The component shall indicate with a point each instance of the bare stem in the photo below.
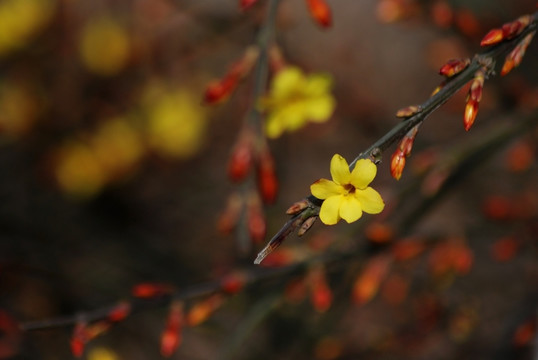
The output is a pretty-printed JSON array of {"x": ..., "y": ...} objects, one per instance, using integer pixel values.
[{"x": 487, "y": 60}]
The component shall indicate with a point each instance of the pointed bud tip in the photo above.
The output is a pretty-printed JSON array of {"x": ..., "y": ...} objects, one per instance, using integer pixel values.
[{"x": 492, "y": 37}]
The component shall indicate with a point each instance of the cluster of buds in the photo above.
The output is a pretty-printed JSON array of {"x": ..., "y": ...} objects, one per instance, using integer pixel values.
[
  {"x": 513, "y": 59},
  {"x": 397, "y": 161},
  {"x": 320, "y": 12},
  {"x": 245, "y": 155},
  {"x": 84, "y": 332},
  {"x": 473, "y": 99},
  {"x": 507, "y": 31},
  {"x": 219, "y": 90}
]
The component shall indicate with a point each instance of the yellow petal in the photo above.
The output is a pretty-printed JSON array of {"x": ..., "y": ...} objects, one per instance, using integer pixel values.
[
  {"x": 371, "y": 201},
  {"x": 350, "y": 209},
  {"x": 286, "y": 82},
  {"x": 273, "y": 126},
  {"x": 330, "y": 210},
  {"x": 363, "y": 173},
  {"x": 319, "y": 108},
  {"x": 340, "y": 170},
  {"x": 323, "y": 188},
  {"x": 317, "y": 84}
]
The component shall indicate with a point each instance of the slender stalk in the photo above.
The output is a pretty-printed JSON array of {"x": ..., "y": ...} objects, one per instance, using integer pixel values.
[{"x": 487, "y": 60}]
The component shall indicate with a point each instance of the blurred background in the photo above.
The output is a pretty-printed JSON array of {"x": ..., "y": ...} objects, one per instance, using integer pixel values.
[{"x": 113, "y": 172}]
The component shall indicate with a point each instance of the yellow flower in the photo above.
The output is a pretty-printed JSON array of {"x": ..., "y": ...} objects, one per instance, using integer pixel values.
[
  {"x": 347, "y": 195},
  {"x": 295, "y": 99}
]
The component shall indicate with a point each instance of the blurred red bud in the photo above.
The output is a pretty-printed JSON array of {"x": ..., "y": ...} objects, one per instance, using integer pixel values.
[
  {"x": 233, "y": 283},
  {"x": 119, "y": 312},
  {"x": 320, "y": 11},
  {"x": 171, "y": 336},
  {"x": 240, "y": 161},
  {"x": 79, "y": 338},
  {"x": 245, "y": 4},
  {"x": 267, "y": 180},
  {"x": 151, "y": 290}
]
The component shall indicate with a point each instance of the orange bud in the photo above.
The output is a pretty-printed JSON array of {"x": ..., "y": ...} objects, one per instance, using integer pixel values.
[
  {"x": 367, "y": 284},
  {"x": 515, "y": 27},
  {"x": 453, "y": 67},
  {"x": 469, "y": 115},
  {"x": 306, "y": 225},
  {"x": 320, "y": 11},
  {"x": 438, "y": 88},
  {"x": 240, "y": 160},
  {"x": 229, "y": 217},
  {"x": 119, "y": 312},
  {"x": 201, "y": 311},
  {"x": 407, "y": 249},
  {"x": 233, "y": 283},
  {"x": 267, "y": 180},
  {"x": 514, "y": 58},
  {"x": 524, "y": 333},
  {"x": 497, "y": 207},
  {"x": 504, "y": 249},
  {"x": 151, "y": 290},
  {"x": 245, "y": 4},
  {"x": 397, "y": 164},
  {"x": 320, "y": 292},
  {"x": 218, "y": 91},
  {"x": 492, "y": 37},
  {"x": 257, "y": 227},
  {"x": 171, "y": 336},
  {"x": 379, "y": 233},
  {"x": 79, "y": 338},
  {"x": 408, "y": 111},
  {"x": 297, "y": 207}
]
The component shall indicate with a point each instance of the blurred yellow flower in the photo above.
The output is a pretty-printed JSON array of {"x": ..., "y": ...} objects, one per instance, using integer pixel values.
[
  {"x": 20, "y": 19},
  {"x": 176, "y": 121},
  {"x": 19, "y": 108},
  {"x": 118, "y": 146},
  {"x": 78, "y": 171},
  {"x": 102, "y": 353},
  {"x": 347, "y": 195},
  {"x": 294, "y": 99},
  {"x": 104, "y": 46}
]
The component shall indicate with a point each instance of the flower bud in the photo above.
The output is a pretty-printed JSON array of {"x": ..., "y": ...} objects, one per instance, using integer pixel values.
[
  {"x": 492, "y": 37},
  {"x": 469, "y": 115},
  {"x": 241, "y": 160},
  {"x": 453, "y": 67},
  {"x": 171, "y": 336},
  {"x": 267, "y": 180},
  {"x": 256, "y": 220},
  {"x": 306, "y": 225},
  {"x": 320, "y": 12},
  {"x": 513, "y": 59},
  {"x": 397, "y": 164},
  {"x": 245, "y": 4},
  {"x": 297, "y": 207},
  {"x": 408, "y": 111},
  {"x": 229, "y": 217}
]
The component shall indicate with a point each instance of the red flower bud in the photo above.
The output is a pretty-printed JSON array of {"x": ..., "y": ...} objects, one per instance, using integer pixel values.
[
  {"x": 151, "y": 290},
  {"x": 469, "y": 115},
  {"x": 492, "y": 37},
  {"x": 408, "y": 111},
  {"x": 320, "y": 11},
  {"x": 240, "y": 160},
  {"x": 245, "y": 4},
  {"x": 233, "y": 283},
  {"x": 79, "y": 338},
  {"x": 397, "y": 164},
  {"x": 256, "y": 225},
  {"x": 119, "y": 312},
  {"x": 171, "y": 336},
  {"x": 453, "y": 67},
  {"x": 267, "y": 180}
]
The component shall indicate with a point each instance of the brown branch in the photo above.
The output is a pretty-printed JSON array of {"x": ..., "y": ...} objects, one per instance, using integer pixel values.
[{"x": 486, "y": 60}]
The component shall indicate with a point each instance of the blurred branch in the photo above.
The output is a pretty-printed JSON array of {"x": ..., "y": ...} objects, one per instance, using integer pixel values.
[
  {"x": 485, "y": 61},
  {"x": 466, "y": 163}
]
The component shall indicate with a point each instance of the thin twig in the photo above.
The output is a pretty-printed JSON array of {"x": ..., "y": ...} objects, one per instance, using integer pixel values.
[{"x": 487, "y": 60}]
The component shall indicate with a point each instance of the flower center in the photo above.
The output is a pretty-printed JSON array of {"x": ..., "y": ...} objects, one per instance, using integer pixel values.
[{"x": 349, "y": 188}]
